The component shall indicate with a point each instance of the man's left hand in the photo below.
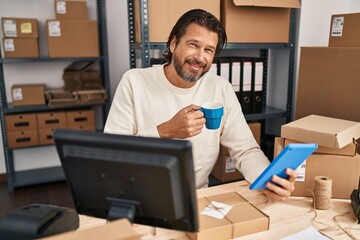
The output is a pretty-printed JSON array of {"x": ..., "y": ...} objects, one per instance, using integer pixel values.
[{"x": 284, "y": 187}]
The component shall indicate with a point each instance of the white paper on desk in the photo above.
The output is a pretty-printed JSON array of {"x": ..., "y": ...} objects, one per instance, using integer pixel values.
[
  {"x": 216, "y": 210},
  {"x": 308, "y": 233}
]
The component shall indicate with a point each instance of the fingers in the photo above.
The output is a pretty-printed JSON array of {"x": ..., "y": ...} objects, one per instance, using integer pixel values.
[
  {"x": 292, "y": 175},
  {"x": 191, "y": 108},
  {"x": 280, "y": 188}
]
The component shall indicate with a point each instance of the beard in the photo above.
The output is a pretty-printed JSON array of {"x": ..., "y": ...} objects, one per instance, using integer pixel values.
[{"x": 189, "y": 75}]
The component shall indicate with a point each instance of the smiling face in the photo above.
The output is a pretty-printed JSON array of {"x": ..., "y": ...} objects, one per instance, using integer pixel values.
[{"x": 192, "y": 55}]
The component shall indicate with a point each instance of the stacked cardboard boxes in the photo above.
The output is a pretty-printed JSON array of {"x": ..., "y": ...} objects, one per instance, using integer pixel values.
[
  {"x": 21, "y": 37},
  {"x": 71, "y": 34},
  {"x": 26, "y": 130},
  {"x": 224, "y": 169},
  {"x": 328, "y": 76},
  {"x": 336, "y": 157},
  {"x": 242, "y": 219}
]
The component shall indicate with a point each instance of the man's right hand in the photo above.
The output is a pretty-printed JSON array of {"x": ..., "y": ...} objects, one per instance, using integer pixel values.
[{"x": 188, "y": 122}]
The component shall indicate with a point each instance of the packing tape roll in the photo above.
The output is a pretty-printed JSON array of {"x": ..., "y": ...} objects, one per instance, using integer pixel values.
[{"x": 322, "y": 192}]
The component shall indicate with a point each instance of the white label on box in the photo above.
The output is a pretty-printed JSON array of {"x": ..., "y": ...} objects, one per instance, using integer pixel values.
[
  {"x": 10, "y": 28},
  {"x": 301, "y": 170},
  {"x": 337, "y": 26},
  {"x": 17, "y": 94},
  {"x": 61, "y": 7},
  {"x": 216, "y": 210},
  {"x": 26, "y": 27},
  {"x": 229, "y": 165},
  {"x": 54, "y": 29},
  {"x": 9, "y": 45}
]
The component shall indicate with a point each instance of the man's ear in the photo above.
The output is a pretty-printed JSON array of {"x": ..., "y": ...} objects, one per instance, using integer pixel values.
[{"x": 172, "y": 44}]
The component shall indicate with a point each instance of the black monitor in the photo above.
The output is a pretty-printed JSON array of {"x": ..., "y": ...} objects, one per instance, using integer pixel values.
[{"x": 150, "y": 181}]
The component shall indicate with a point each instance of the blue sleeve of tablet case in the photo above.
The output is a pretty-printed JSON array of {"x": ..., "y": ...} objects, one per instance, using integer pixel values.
[{"x": 290, "y": 157}]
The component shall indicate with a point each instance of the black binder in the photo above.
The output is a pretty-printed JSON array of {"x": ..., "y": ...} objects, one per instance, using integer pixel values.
[
  {"x": 257, "y": 85},
  {"x": 245, "y": 86}
]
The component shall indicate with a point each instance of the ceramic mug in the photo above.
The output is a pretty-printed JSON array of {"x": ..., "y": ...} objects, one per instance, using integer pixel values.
[{"x": 213, "y": 113}]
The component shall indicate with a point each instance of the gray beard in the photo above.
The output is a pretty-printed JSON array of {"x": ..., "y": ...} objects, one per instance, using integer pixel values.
[{"x": 188, "y": 77}]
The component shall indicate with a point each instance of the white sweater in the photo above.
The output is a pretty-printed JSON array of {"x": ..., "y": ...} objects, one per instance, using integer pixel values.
[{"x": 145, "y": 98}]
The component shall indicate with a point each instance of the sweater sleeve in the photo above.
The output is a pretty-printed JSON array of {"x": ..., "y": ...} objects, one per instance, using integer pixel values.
[{"x": 237, "y": 137}]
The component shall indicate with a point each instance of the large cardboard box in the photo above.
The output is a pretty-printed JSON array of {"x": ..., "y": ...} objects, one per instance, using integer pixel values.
[
  {"x": 28, "y": 94},
  {"x": 328, "y": 83},
  {"x": 72, "y": 38},
  {"x": 21, "y": 47},
  {"x": 71, "y": 9},
  {"x": 243, "y": 218},
  {"x": 325, "y": 131},
  {"x": 257, "y": 21},
  {"x": 344, "y": 30},
  {"x": 343, "y": 170},
  {"x": 224, "y": 169},
  {"x": 163, "y": 15},
  {"x": 20, "y": 27}
]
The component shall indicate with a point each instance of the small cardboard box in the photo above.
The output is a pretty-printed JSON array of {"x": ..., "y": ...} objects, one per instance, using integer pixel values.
[
  {"x": 243, "y": 218},
  {"x": 328, "y": 82},
  {"x": 19, "y": 139},
  {"x": 28, "y": 94},
  {"x": 51, "y": 120},
  {"x": 344, "y": 30},
  {"x": 163, "y": 15},
  {"x": 325, "y": 131},
  {"x": 72, "y": 38},
  {"x": 71, "y": 9},
  {"x": 82, "y": 120},
  {"x": 343, "y": 170},
  {"x": 224, "y": 169},
  {"x": 20, "y": 27},
  {"x": 46, "y": 136},
  {"x": 255, "y": 21},
  {"x": 21, "y": 122},
  {"x": 21, "y": 47},
  {"x": 114, "y": 230}
]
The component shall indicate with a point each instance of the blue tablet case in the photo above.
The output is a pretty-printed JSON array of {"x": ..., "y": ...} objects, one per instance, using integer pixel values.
[{"x": 290, "y": 157}]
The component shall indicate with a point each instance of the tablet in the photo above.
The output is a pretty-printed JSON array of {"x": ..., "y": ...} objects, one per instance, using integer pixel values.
[{"x": 290, "y": 157}]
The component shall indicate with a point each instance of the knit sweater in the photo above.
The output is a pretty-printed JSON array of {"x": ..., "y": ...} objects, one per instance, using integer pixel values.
[{"x": 145, "y": 98}]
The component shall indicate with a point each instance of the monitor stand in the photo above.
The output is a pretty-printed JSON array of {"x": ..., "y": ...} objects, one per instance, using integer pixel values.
[{"x": 122, "y": 208}]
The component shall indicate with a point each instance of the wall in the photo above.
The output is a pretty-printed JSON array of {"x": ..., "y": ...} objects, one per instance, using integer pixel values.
[{"x": 313, "y": 31}]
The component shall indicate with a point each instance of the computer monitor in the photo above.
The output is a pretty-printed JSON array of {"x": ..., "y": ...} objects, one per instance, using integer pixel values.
[{"x": 150, "y": 181}]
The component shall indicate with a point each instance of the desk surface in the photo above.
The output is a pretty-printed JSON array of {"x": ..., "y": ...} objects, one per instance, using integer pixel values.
[{"x": 286, "y": 217}]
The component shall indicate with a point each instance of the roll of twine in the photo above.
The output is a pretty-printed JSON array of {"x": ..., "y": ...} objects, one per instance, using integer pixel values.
[{"x": 322, "y": 192}]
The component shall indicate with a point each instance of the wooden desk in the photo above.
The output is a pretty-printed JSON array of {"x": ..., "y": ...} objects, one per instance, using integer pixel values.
[{"x": 286, "y": 217}]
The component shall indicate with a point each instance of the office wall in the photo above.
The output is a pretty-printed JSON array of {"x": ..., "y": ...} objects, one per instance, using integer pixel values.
[{"x": 314, "y": 27}]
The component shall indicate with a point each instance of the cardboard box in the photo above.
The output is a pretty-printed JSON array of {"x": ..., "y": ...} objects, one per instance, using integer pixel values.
[
  {"x": 81, "y": 120},
  {"x": 243, "y": 218},
  {"x": 344, "y": 30},
  {"x": 21, "y": 47},
  {"x": 325, "y": 131},
  {"x": 19, "y": 139},
  {"x": 224, "y": 169},
  {"x": 343, "y": 170},
  {"x": 163, "y": 14},
  {"x": 21, "y": 122},
  {"x": 28, "y": 94},
  {"x": 51, "y": 120},
  {"x": 46, "y": 136},
  {"x": 114, "y": 230},
  {"x": 20, "y": 27},
  {"x": 71, "y": 10},
  {"x": 257, "y": 21},
  {"x": 72, "y": 38},
  {"x": 328, "y": 83}
]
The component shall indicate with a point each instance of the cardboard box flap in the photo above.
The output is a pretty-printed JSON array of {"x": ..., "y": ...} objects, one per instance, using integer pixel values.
[
  {"x": 268, "y": 3},
  {"x": 325, "y": 131}
]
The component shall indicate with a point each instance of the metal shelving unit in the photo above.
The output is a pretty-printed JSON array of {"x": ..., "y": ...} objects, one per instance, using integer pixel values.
[
  {"x": 141, "y": 51},
  {"x": 50, "y": 174}
]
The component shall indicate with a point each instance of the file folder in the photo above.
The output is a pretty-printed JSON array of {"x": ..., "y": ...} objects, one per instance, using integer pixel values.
[
  {"x": 245, "y": 86},
  {"x": 257, "y": 86},
  {"x": 225, "y": 70},
  {"x": 235, "y": 71}
]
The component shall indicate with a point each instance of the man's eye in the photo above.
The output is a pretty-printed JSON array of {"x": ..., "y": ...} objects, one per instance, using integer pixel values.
[{"x": 192, "y": 44}]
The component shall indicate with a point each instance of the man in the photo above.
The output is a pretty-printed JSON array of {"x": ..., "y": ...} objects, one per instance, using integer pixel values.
[{"x": 164, "y": 102}]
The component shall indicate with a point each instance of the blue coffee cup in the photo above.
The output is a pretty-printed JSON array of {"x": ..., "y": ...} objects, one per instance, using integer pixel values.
[{"x": 213, "y": 113}]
